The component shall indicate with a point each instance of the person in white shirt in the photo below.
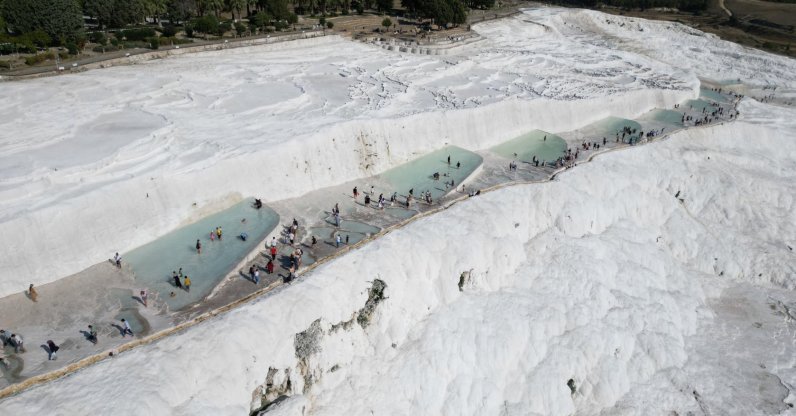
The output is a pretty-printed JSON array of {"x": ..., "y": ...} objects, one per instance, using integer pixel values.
[{"x": 126, "y": 329}]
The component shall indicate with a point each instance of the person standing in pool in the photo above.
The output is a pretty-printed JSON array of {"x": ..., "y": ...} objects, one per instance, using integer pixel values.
[
  {"x": 144, "y": 295},
  {"x": 187, "y": 283},
  {"x": 177, "y": 280},
  {"x": 92, "y": 334},
  {"x": 19, "y": 343},
  {"x": 346, "y": 239},
  {"x": 198, "y": 247},
  {"x": 53, "y": 349},
  {"x": 212, "y": 235},
  {"x": 126, "y": 329},
  {"x": 219, "y": 232},
  {"x": 458, "y": 165}
]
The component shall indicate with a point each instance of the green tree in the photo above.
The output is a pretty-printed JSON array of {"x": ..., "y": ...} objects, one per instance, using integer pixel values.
[
  {"x": 62, "y": 20},
  {"x": 329, "y": 24},
  {"x": 386, "y": 22},
  {"x": 384, "y": 6},
  {"x": 236, "y": 6},
  {"x": 276, "y": 8},
  {"x": 442, "y": 11},
  {"x": 206, "y": 6},
  {"x": 481, "y": 4},
  {"x": 154, "y": 9},
  {"x": 261, "y": 20},
  {"x": 206, "y": 24},
  {"x": 179, "y": 11}
]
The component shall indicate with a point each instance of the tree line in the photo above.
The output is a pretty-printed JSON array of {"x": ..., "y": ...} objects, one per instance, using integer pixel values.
[{"x": 31, "y": 24}]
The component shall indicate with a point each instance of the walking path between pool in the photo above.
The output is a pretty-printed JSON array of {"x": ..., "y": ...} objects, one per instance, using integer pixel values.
[{"x": 103, "y": 294}]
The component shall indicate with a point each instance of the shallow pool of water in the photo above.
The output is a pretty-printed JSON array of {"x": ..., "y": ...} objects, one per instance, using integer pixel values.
[
  {"x": 706, "y": 93},
  {"x": 670, "y": 117},
  {"x": 154, "y": 262},
  {"x": 698, "y": 105},
  {"x": 418, "y": 174},
  {"x": 543, "y": 145},
  {"x": 327, "y": 236},
  {"x": 401, "y": 213}
]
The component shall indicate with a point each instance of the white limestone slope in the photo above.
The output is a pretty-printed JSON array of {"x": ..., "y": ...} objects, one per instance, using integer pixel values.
[
  {"x": 601, "y": 276},
  {"x": 80, "y": 152}
]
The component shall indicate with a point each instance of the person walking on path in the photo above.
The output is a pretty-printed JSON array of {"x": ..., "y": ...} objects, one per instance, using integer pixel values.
[
  {"x": 144, "y": 295},
  {"x": 269, "y": 267},
  {"x": 92, "y": 334},
  {"x": 53, "y": 349},
  {"x": 177, "y": 280},
  {"x": 273, "y": 242},
  {"x": 198, "y": 247},
  {"x": 356, "y": 192},
  {"x": 187, "y": 283},
  {"x": 118, "y": 260},
  {"x": 126, "y": 329},
  {"x": 34, "y": 295},
  {"x": 256, "y": 276},
  {"x": 273, "y": 252},
  {"x": 337, "y": 240},
  {"x": 346, "y": 239}
]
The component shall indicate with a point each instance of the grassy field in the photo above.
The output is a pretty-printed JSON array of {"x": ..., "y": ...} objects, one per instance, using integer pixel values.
[{"x": 758, "y": 24}]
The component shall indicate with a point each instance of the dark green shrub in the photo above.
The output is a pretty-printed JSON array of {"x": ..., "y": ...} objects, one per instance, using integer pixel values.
[
  {"x": 138, "y": 34},
  {"x": 38, "y": 58},
  {"x": 206, "y": 24},
  {"x": 240, "y": 28},
  {"x": 72, "y": 47},
  {"x": 98, "y": 37},
  {"x": 101, "y": 49},
  {"x": 169, "y": 30},
  {"x": 154, "y": 42}
]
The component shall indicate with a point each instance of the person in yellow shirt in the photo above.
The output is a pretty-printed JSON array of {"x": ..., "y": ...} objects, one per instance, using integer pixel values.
[{"x": 187, "y": 284}]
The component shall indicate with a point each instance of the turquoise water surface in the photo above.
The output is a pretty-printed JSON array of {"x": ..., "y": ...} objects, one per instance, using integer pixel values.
[
  {"x": 154, "y": 262},
  {"x": 417, "y": 174},
  {"x": 525, "y": 147}
]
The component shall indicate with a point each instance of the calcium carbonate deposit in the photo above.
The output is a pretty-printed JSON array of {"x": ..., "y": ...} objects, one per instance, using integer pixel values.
[{"x": 653, "y": 280}]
